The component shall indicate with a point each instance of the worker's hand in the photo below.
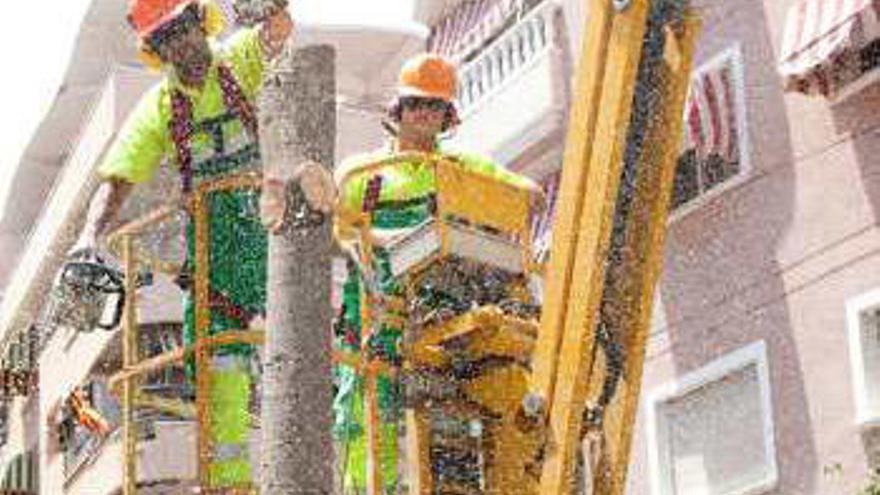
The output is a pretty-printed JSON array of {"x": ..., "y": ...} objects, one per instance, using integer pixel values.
[
  {"x": 318, "y": 186},
  {"x": 87, "y": 246},
  {"x": 101, "y": 217}
]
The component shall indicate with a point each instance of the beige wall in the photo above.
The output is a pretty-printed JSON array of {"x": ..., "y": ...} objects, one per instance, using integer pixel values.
[{"x": 777, "y": 257}]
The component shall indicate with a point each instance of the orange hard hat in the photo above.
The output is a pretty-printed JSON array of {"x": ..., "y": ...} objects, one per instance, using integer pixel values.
[
  {"x": 428, "y": 75},
  {"x": 148, "y": 15}
]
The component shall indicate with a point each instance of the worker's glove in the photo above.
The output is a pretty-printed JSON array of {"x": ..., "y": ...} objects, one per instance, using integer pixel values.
[{"x": 253, "y": 12}]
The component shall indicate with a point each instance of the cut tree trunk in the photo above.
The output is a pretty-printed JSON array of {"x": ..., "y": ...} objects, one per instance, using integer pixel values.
[{"x": 297, "y": 114}]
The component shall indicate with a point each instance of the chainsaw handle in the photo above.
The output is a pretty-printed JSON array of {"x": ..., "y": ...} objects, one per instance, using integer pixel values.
[
  {"x": 117, "y": 313},
  {"x": 88, "y": 256}
]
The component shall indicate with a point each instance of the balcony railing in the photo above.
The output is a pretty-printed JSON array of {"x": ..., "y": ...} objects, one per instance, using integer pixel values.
[
  {"x": 514, "y": 93},
  {"x": 508, "y": 56}
]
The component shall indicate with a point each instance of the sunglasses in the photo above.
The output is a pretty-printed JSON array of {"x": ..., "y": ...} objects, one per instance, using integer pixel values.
[
  {"x": 174, "y": 29},
  {"x": 420, "y": 102}
]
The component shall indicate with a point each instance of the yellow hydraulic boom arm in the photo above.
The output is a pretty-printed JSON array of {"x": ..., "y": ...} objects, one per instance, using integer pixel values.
[{"x": 618, "y": 171}]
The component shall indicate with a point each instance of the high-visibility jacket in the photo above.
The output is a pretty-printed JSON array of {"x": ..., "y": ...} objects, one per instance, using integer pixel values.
[{"x": 403, "y": 200}]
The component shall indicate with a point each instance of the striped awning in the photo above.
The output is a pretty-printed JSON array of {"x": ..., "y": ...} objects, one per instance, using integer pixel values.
[
  {"x": 819, "y": 35},
  {"x": 468, "y": 27},
  {"x": 710, "y": 114}
]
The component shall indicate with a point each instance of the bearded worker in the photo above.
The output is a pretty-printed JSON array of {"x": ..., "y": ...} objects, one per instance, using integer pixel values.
[{"x": 200, "y": 119}]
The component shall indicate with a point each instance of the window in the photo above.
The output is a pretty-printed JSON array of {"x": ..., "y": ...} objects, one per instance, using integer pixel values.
[
  {"x": 18, "y": 366},
  {"x": 22, "y": 350},
  {"x": 168, "y": 383},
  {"x": 158, "y": 339},
  {"x": 712, "y": 431},
  {"x": 714, "y": 150},
  {"x": 863, "y": 320}
]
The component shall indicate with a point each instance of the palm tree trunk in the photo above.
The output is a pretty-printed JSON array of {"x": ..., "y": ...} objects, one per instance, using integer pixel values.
[{"x": 297, "y": 113}]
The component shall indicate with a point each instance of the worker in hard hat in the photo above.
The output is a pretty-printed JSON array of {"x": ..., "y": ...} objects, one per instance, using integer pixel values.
[
  {"x": 201, "y": 119},
  {"x": 398, "y": 196}
]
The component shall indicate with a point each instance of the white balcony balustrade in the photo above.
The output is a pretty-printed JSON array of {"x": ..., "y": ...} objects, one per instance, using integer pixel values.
[
  {"x": 512, "y": 94},
  {"x": 507, "y": 56}
]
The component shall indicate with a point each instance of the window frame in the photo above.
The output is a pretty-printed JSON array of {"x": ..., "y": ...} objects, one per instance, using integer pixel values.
[
  {"x": 712, "y": 372},
  {"x": 854, "y": 309},
  {"x": 732, "y": 54}
]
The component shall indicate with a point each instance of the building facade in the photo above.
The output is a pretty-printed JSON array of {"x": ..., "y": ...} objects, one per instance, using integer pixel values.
[{"x": 762, "y": 372}]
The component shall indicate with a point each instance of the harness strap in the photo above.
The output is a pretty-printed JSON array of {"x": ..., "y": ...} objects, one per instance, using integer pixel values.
[{"x": 182, "y": 126}]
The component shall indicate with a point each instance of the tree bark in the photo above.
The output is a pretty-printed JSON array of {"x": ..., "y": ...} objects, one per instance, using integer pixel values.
[{"x": 297, "y": 113}]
